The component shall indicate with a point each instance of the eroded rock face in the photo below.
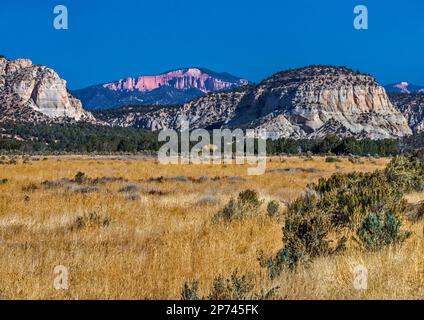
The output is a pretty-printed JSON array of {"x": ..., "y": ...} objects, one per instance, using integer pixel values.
[
  {"x": 178, "y": 79},
  {"x": 412, "y": 107},
  {"x": 304, "y": 103},
  {"x": 37, "y": 92}
]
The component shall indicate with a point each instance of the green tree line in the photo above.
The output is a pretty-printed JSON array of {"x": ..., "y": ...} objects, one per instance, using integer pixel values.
[{"x": 87, "y": 138}]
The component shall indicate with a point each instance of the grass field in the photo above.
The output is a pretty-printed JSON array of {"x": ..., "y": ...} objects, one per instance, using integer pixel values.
[{"x": 123, "y": 234}]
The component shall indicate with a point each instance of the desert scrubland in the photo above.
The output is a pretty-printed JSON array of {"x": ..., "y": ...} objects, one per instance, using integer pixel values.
[{"x": 128, "y": 228}]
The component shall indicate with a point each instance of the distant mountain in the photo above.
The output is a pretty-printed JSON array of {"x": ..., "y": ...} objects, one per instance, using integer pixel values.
[
  {"x": 33, "y": 93},
  {"x": 170, "y": 88},
  {"x": 404, "y": 87},
  {"x": 310, "y": 102}
]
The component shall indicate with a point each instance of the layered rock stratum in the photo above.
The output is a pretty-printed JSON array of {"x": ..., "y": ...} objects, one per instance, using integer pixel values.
[
  {"x": 310, "y": 102},
  {"x": 174, "y": 87},
  {"x": 34, "y": 93}
]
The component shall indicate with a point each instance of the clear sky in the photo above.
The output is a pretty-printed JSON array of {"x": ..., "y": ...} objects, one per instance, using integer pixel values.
[{"x": 108, "y": 40}]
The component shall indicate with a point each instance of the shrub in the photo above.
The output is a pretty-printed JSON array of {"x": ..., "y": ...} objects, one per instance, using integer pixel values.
[
  {"x": 133, "y": 197},
  {"x": 179, "y": 179},
  {"x": 275, "y": 264},
  {"x": 249, "y": 198},
  {"x": 129, "y": 188},
  {"x": 230, "y": 211},
  {"x": 354, "y": 160},
  {"x": 80, "y": 177},
  {"x": 189, "y": 291},
  {"x": 3, "y": 181},
  {"x": 306, "y": 232},
  {"x": 82, "y": 189},
  {"x": 247, "y": 204},
  {"x": 56, "y": 183},
  {"x": 31, "y": 187},
  {"x": 91, "y": 219},
  {"x": 236, "y": 287},
  {"x": 366, "y": 207},
  {"x": 378, "y": 230},
  {"x": 273, "y": 209},
  {"x": 105, "y": 180},
  {"x": 332, "y": 159},
  {"x": 417, "y": 212},
  {"x": 406, "y": 174}
]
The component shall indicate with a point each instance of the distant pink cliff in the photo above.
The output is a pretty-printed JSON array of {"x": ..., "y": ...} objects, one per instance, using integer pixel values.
[
  {"x": 403, "y": 86},
  {"x": 180, "y": 79}
]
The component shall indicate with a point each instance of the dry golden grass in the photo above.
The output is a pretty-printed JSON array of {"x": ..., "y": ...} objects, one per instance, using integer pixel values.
[
  {"x": 415, "y": 197},
  {"x": 154, "y": 242}
]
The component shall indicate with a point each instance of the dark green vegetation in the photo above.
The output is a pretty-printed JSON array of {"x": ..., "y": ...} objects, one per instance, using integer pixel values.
[
  {"x": 78, "y": 138},
  {"x": 365, "y": 209},
  {"x": 273, "y": 209},
  {"x": 83, "y": 138},
  {"x": 335, "y": 145}
]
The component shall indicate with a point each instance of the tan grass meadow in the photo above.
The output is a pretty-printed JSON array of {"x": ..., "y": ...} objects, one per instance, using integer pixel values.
[{"x": 128, "y": 235}]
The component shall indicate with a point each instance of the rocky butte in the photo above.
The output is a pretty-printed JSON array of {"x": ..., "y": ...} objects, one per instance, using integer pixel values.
[{"x": 31, "y": 93}]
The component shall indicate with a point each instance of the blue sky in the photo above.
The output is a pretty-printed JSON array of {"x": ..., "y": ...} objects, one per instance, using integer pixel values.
[{"x": 109, "y": 40}]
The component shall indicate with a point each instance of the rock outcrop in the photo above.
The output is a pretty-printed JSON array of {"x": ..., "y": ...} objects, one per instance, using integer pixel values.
[
  {"x": 174, "y": 87},
  {"x": 306, "y": 103},
  {"x": 31, "y": 92},
  {"x": 412, "y": 107}
]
